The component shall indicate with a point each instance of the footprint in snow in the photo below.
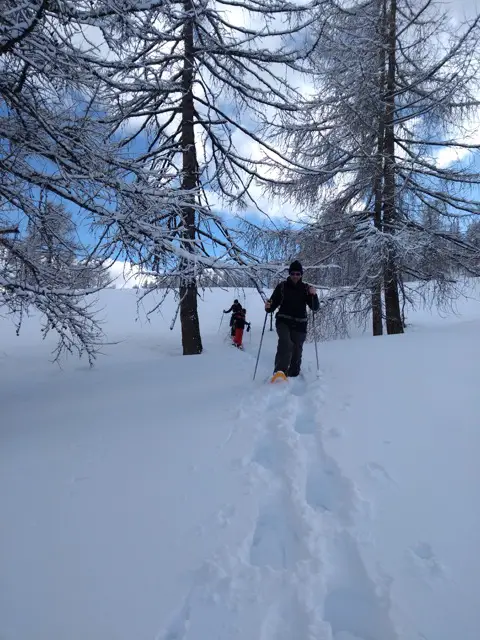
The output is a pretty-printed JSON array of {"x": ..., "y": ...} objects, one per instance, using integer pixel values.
[
  {"x": 298, "y": 386},
  {"x": 305, "y": 423},
  {"x": 352, "y": 606},
  {"x": 270, "y": 454},
  {"x": 276, "y": 542},
  {"x": 328, "y": 490}
]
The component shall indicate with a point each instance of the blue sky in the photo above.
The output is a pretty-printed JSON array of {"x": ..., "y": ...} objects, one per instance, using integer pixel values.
[
  {"x": 232, "y": 221},
  {"x": 277, "y": 209}
]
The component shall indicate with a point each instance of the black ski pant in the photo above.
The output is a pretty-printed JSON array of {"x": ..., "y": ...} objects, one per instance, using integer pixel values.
[{"x": 289, "y": 349}]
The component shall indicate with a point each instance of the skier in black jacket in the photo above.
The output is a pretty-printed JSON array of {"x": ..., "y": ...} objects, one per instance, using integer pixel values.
[
  {"x": 235, "y": 308},
  {"x": 291, "y": 297}
]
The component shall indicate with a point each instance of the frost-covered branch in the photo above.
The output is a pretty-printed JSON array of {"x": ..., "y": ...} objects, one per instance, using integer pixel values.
[{"x": 394, "y": 81}]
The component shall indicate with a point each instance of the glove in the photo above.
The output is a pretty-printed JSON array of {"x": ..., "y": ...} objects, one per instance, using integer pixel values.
[{"x": 248, "y": 328}]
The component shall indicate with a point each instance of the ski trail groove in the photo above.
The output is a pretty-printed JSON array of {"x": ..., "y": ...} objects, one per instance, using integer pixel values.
[
  {"x": 299, "y": 573},
  {"x": 352, "y": 605},
  {"x": 276, "y": 543}
]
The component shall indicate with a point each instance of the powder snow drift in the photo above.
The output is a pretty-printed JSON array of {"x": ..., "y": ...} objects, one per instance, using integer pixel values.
[{"x": 161, "y": 497}]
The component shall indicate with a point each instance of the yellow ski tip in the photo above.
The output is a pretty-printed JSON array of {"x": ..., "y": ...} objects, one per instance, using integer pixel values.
[{"x": 279, "y": 376}]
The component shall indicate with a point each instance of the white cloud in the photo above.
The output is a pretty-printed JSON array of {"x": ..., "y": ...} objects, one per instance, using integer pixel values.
[
  {"x": 465, "y": 9},
  {"x": 468, "y": 133},
  {"x": 450, "y": 155},
  {"x": 124, "y": 275}
]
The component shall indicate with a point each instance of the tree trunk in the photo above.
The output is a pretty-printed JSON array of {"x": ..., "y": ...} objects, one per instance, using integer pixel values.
[
  {"x": 377, "y": 320},
  {"x": 377, "y": 310},
  {"x": 191, "y": 338},
  {"x": 392, "y": 301},
  {"x": 377, "y": 315}
]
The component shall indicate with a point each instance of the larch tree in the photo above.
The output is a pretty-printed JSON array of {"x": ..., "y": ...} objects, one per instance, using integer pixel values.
[
  {"x": 190, "y": 80},
  {"x": 57, "y": 146},
  {"x": 54, "y": 153},
  {"x": 396, "y": 84}
]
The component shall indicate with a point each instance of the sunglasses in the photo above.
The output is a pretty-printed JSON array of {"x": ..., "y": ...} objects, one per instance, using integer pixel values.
[{"x": 295, "y": 273}]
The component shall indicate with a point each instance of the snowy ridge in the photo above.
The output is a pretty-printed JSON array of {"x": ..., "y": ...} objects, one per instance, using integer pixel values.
[{"x": 299, "y": 574}]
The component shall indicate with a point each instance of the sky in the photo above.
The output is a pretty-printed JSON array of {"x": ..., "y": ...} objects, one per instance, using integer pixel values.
[
  {"x": 464, "y": 8},
  {"x": 277, "y": 209}
]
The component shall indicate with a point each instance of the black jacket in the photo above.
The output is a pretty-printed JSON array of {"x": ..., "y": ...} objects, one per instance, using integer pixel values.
[
  {"x": 239, "y": 321},
  {"x": 236, "y": 307},
  {"x": 291, "y": 300}
]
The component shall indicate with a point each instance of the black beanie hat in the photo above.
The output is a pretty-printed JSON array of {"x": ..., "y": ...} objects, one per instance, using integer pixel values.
[{"x": 295, "y": 266}]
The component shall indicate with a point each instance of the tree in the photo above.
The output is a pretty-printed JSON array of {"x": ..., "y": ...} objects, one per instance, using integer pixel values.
[
  {"x": 190, "y": 80},
  {"x": 473, "y": 234},
  {"x": 395, "y": 83},
  {"x": 52, "y": 241},
  {"x": 50, "y": 238},
  {"x": 54, "y": 146}
]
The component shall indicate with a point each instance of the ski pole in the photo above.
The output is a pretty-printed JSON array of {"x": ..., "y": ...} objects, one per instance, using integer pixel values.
[
  {"x": 175, "y": 317},
  {"x": 315, "y": 339},
  {"x": 220, "y": 325},
  {"x": 260, "y": 345}
]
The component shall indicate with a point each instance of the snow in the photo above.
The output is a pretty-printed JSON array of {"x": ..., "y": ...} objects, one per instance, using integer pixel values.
[{"x": 162, "y": 497}]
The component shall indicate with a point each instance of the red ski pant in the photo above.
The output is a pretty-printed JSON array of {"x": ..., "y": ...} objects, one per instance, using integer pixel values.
[{"x": 238, "y": 337}]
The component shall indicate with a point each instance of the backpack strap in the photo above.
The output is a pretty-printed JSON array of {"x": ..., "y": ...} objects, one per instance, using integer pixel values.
[{"x": 305, "y": 284}]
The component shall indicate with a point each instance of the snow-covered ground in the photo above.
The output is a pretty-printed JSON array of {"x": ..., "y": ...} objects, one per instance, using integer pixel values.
[{"x": 160, "y": 497}]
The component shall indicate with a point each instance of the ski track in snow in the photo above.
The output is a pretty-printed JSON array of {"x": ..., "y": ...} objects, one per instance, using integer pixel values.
[{"x": 299, "y": 574}]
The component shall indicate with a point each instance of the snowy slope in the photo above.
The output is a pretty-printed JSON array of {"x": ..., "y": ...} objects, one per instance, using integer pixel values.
[{"x": 159, "y": 497}]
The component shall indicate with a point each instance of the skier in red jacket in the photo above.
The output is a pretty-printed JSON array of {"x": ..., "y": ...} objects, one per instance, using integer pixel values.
[
  {"x": 239, "y": 324},
  {"x": 235, "y": 308}
]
